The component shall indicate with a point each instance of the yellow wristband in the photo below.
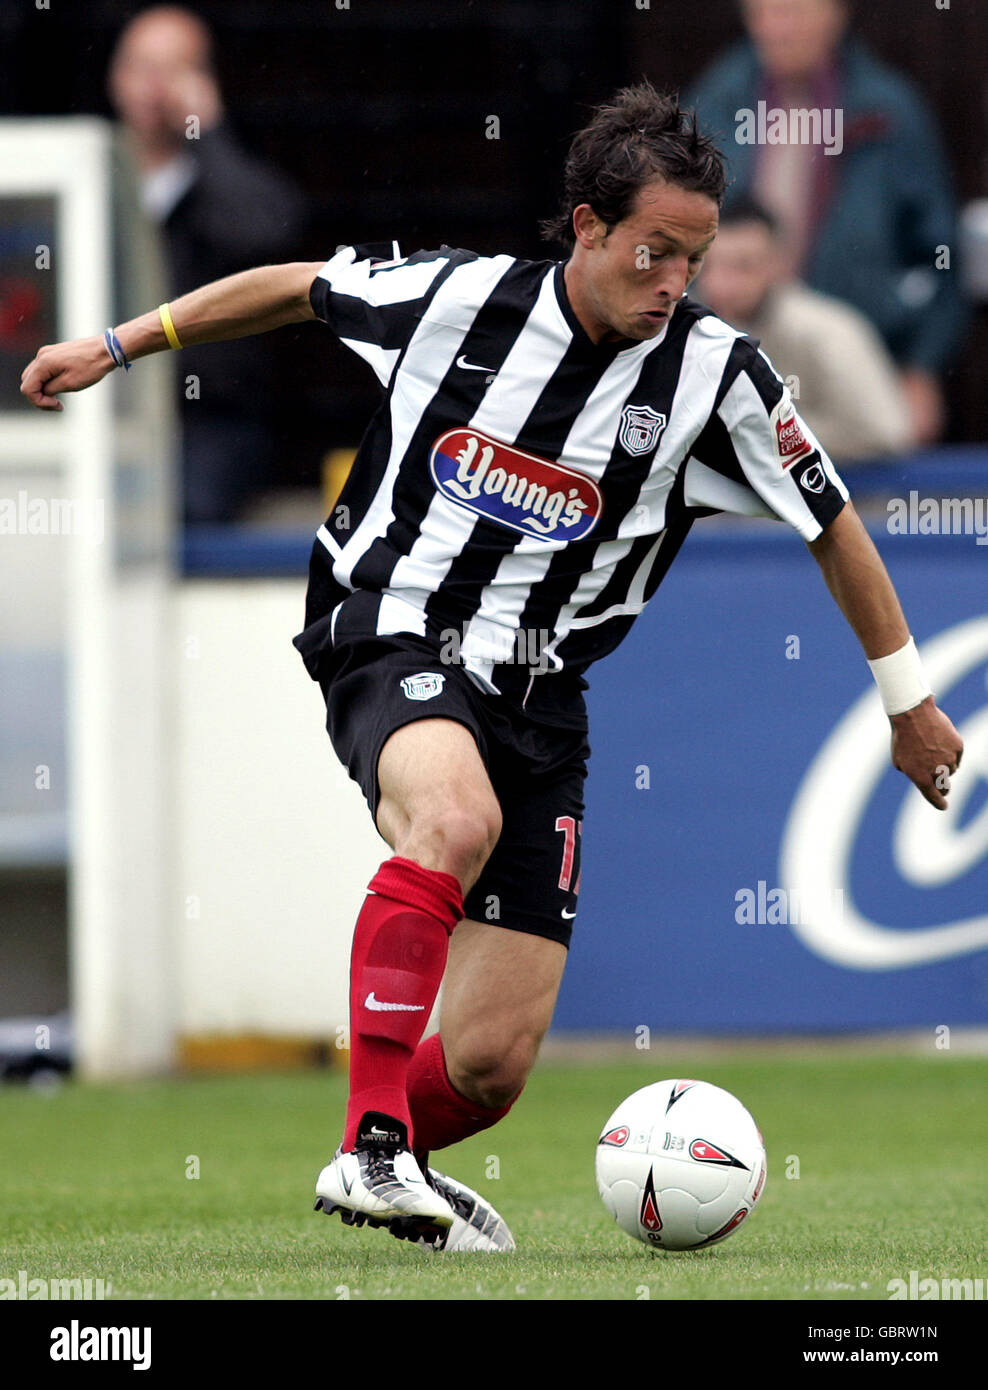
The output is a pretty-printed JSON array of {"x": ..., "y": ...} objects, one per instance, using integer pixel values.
[{"x": 165, "y": 315}]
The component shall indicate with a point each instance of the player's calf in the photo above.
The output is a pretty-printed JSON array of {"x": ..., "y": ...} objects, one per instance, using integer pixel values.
[
  {"x": 396, "y": 965},
  {"x": 442, "y": 1115},
  {"x": 491, "y": 1070}
]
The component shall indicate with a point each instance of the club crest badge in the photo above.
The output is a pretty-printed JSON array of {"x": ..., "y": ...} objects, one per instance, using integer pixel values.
[
  {"x": 422, "y": 686},
  {"x": 641, "y": 427}
]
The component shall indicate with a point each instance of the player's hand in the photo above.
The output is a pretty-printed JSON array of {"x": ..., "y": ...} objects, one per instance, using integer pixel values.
[
  {"x": 65, "y": 367},
  {"x": 927, "y": 748}
]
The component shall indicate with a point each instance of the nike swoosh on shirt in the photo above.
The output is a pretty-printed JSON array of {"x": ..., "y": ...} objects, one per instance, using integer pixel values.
[
  {"x": 461, "y": 361},
  {"x": 379, "y": 1006}
]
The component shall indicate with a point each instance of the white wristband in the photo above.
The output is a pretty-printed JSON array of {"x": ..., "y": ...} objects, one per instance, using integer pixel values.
[{"x": 900, "y": 679}]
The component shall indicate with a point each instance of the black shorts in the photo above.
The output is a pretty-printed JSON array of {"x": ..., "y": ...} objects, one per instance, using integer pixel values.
[{"x": 530, "y": 883}]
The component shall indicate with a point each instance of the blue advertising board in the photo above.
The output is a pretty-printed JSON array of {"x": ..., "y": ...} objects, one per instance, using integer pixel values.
[{"x": 751, "y": 860}]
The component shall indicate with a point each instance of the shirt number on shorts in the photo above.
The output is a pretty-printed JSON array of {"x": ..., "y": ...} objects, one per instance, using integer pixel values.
[{"x": 570, "y": 828}]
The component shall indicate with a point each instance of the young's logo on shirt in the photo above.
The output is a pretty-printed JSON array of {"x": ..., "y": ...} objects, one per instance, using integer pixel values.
[
  {"x": 518, "y": 489},
  {"x": 640, "y": 428}
]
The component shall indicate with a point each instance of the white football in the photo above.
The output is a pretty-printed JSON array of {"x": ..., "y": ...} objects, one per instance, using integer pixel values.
[{"x": 680, "y": 1164}]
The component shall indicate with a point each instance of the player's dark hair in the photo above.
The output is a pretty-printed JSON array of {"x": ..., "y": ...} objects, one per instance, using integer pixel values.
[{"x": 640, "y": 135}]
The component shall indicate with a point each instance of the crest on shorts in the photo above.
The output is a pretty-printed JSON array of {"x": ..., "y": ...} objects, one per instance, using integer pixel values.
[
  {"x": 422, "y": 686},
  {"x": 640, "y": 428}
]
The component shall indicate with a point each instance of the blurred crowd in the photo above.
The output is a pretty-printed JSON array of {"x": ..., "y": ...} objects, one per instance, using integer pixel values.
[
  {"x": 864, "y": 224},
  {"x": 220, "y": 211},
  {"x": 832, "y": 254}
]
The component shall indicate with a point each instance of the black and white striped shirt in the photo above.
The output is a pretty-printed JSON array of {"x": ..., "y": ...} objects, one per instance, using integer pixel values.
[{"x": 521, "y": 492}]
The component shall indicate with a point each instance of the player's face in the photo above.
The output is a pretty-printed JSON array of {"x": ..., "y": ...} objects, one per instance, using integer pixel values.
[{"x": 626, "y": 282}]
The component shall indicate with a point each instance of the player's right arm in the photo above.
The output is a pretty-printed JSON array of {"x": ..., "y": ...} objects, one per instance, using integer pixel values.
[{"x": 255, "y": 301}]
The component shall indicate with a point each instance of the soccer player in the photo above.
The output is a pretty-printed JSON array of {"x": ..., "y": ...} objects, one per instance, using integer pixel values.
[{"x": 549, "y": 433}]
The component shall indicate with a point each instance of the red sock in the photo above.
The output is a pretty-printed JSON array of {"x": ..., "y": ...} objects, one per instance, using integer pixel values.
[
  {"x": 399, "y": 954},
  {"x": 440, "y": 1115}
]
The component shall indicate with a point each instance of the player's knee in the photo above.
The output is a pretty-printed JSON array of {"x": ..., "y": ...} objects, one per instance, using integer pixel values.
[
  {"x": 489, "y": 1074},
  {"x": 455, "y": 836}
]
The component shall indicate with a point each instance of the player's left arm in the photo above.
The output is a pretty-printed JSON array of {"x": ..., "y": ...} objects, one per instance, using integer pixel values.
[
  {"x": 756, "y": 435},
  {"x": 253, "y": 301},
  {"x": 925, "y": 744}
]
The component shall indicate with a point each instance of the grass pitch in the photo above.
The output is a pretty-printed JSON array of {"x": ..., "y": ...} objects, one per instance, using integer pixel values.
[{"x": 101, "y": 1182}]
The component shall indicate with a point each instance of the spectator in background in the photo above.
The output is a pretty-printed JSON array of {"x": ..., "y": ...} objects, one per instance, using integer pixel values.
[
  {"x": 866, "y": 224},
  {"x": 220, "y": 212},
  {"x": 837, "y": 367}
]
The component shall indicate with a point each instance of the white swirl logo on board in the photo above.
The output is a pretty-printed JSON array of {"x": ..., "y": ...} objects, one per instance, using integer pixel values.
[{"x": 929, "y": 847}]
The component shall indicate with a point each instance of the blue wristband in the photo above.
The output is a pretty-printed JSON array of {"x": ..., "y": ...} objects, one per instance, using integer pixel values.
[{"x": 115, "y": 350}]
